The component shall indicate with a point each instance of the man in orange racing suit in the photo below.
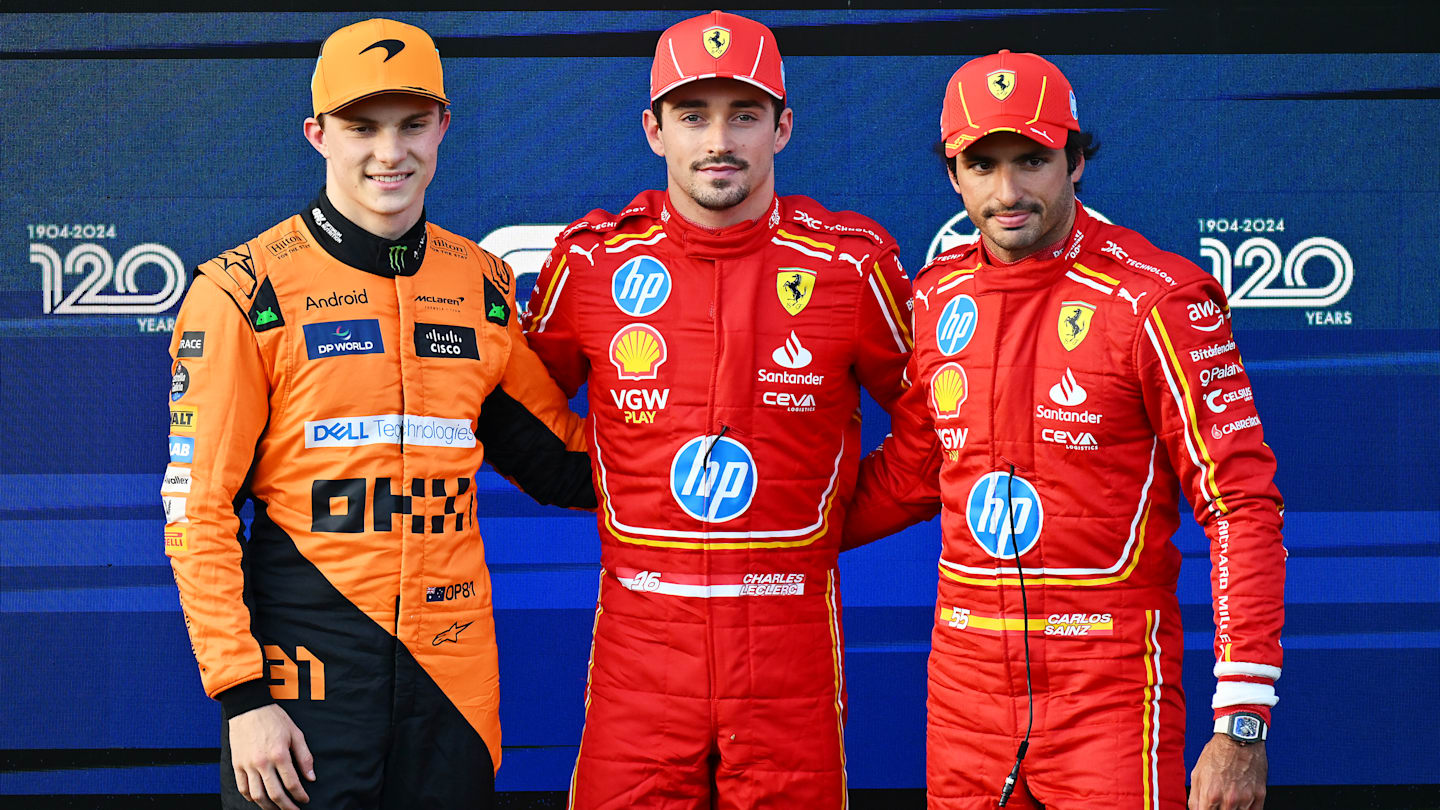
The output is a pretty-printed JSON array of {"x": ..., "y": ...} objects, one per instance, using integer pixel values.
[
  {"x": 347, "y": 371},
  {"x": 1076, "y": 378},
  {"x": 724, "y": 333}
]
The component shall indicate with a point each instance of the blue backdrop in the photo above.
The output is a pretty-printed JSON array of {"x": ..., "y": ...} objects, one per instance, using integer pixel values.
[{"x": 136, "y": 146}]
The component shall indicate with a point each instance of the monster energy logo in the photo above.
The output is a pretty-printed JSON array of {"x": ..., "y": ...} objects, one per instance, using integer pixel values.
[{"x": 397, "y": 257}]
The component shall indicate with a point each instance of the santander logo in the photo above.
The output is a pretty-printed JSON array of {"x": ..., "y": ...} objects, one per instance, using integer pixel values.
[
  {"x": 1068, "y": 392},
  {"x": 792, "y": 355}
]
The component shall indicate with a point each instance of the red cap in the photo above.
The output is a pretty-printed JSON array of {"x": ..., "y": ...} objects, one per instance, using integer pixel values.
[
  {"x": 1007, "y": 92},
  {"x": 717, "y": 45}
]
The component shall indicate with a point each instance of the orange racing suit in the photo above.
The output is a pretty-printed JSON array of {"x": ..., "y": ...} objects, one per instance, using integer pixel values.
[{"x": 350, "y": 387}]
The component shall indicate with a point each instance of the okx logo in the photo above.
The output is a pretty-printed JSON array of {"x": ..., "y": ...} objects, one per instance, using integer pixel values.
[
  {"x": 713, "y": 478},
  {"x": 1004, "y": 512},
  {"x": 334, "y": 338}
]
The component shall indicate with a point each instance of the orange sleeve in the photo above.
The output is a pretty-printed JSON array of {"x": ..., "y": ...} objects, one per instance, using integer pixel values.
[{"x": 219, "y": 407}]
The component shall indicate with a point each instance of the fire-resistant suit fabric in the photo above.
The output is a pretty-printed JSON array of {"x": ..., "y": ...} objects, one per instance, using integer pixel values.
[
  {"x": 724, "y": 372},
  {"x": 350, "y": 387},
  {"x": 1073, "y": 395}
]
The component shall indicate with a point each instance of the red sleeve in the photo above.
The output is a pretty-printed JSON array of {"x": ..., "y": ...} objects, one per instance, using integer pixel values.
[
  {"x": 899, "y": 483},
  {"x": 550, "y": 323},
  {"x": 883, "y": 328},
  {"x": 219, "y": 407},
  {"x": 1200, "y": 403}
]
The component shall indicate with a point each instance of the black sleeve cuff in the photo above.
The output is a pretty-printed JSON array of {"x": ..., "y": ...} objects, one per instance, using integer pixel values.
[
  {"x": 242, "y": 698},
  {"x": 522, "y": 448}
]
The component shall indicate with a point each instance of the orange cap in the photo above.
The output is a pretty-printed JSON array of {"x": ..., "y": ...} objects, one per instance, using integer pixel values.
[
  {"x": 717, "y": 45},
  {"x": 372, "y": 57},
  {"x": 1007, "y": 92}
]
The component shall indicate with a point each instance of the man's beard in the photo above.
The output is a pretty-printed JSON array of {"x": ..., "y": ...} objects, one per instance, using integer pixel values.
[{"x": 718, "y": 195}]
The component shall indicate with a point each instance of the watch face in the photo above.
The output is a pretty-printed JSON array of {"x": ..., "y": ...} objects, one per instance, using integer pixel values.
[{"x": 1247, "y": 727}]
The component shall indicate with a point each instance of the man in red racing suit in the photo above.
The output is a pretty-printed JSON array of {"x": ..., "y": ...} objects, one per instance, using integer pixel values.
[
  {"x": 724, "y": 333},
  {"x": 1075, "y": 378}
]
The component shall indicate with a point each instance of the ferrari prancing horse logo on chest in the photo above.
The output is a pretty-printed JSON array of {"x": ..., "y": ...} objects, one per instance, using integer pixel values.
[
  {"x": 1074, "y": 323},
  {"x": 794, "y": 285},
  {"x": 717, "y": 41}
]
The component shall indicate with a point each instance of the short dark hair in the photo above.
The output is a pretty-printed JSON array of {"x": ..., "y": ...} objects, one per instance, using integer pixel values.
[
  {"x": 1078, "y": 143},
  {"x": 775, "y": 103}
]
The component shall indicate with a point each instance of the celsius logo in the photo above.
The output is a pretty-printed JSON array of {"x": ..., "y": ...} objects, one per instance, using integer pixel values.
[
  {"x": 959, "y": 231},
  {"x": 1068, "y": 392},
  {"x": 791, "y": 354},
  {"x": 988, "y": 511},
  {"x": 641, "y": 286},
  {"x": 102, "y": 285},
  {"x": 956, "y": 325},
  {"x": 638, "y": 350},
  {"x": 713, "y": 478}
]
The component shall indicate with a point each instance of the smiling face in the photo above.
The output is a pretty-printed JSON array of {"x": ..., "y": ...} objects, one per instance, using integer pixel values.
[
  {"x": 380, "y": 156},
  {"x": 1021, "y": 195},
  {"x": 719, "y": 139}
]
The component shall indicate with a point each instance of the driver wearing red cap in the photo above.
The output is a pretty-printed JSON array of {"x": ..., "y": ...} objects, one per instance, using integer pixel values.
[
  {"x": 725, "y": 333},
  {"x": 1078, "y": 379}
]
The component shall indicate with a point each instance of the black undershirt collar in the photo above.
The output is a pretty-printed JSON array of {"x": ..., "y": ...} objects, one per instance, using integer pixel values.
[{"x": 362, "y": 250}]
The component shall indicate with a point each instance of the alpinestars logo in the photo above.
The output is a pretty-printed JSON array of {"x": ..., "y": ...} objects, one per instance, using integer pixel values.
[
  {"x": 1068, "y": 392},
  {"x": 792, "y": 355}
]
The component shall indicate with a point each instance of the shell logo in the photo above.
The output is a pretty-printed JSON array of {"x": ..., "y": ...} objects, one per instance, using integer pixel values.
[
  {"x": 948, "y": 390},
  {"x": 637, "y": 351}
]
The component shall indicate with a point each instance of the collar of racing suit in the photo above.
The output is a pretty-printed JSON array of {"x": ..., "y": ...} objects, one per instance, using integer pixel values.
[
  {"x": 1039, "y": 269},
  {"x": 362, "y": 250},
  {"x": 726, "y": 243}
]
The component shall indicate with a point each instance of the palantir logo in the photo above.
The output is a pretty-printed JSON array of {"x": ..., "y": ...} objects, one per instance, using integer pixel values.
[
  {"x": 640, "y": 286},
  {"x": 999, "y": 504},
  {"x": 713, "y": 478},
  {"x": 956, "y": 325}
]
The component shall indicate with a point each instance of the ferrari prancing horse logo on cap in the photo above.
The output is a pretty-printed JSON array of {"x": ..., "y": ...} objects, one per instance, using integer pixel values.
[
  {"x": 717, "y": 40},
  {"x": 1001, "y": 83}
]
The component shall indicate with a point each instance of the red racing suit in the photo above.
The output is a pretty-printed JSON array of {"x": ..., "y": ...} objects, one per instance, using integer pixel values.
[
  {"x": 724, "y": 372},
  {"x": 349, "y": 387},
  {"x": 1073, "y": 395}
]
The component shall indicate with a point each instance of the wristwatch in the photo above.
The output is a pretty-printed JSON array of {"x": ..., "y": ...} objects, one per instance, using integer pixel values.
[{"x": 1242, "y": 727}]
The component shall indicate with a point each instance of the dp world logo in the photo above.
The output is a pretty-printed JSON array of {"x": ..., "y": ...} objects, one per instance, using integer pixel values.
[
  {"x": 959, "y": 231},
  {"x": 999, "y": 503},
  {"x": 956, "y": 325},
  {"x": 713, "y": 478},
  {"x": 641, "y": 286}
]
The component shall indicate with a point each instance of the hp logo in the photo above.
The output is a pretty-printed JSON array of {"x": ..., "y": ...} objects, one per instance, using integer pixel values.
[
  {"x": 713, "y": 479},
  {"x": 641, "y": 286},
  {"x": 956, "y": 325},
  {"x": 987, "y": 511}
]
